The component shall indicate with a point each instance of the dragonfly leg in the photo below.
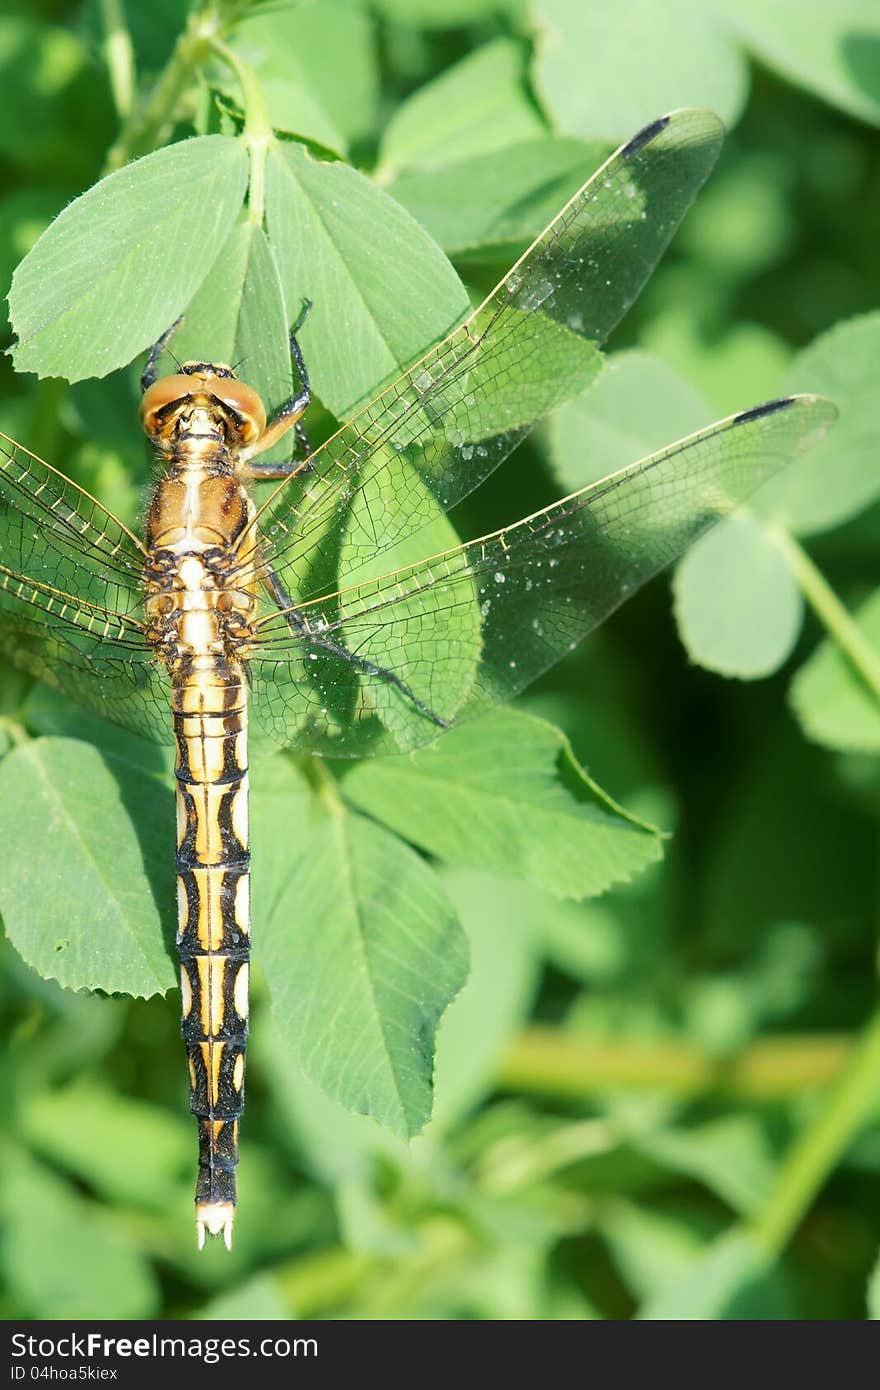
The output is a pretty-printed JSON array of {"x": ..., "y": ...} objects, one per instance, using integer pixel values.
[
  {"x": 300, "y": 629},
  {"x": 285, "y": 418},
  {"x": 288, "y": 468},
  {"x": 151, "y": 370}
]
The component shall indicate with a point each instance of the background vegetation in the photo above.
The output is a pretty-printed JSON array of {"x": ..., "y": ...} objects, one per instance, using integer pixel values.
[{"x": 657, "y": 1093}]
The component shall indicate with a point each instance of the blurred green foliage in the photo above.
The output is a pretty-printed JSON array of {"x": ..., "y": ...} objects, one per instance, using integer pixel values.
[{"x": 658, "y": 1102}]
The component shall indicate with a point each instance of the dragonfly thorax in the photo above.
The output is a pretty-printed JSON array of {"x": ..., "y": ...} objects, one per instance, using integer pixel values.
[{"x": 196, "y": 606}]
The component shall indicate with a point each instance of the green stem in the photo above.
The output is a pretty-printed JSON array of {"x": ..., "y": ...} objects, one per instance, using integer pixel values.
[
  {"x": 257, "y": 135},
  {"x": 152, "y": 120},
  {"x": 317, "y": 1283},
  {"x": 519, "y": 1162},
  {"x": 119, "y": 54},
  {"x": 314, "y": 1283},
  {"x": 15, "y": 732},
  {"x": 815, "y": 1153},
  {"x": 545, "y": 1061},
  {"x": 829, "y": 610},
  {"x": 322, "y": 783}
]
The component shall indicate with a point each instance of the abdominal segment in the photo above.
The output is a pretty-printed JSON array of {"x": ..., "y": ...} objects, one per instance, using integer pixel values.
[{"x": 213, "y": 938}]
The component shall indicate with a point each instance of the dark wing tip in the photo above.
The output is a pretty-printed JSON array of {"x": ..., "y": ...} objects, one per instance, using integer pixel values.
[
  {"x": 757, "y": 412},
  {"x": 644, "y": 137}
]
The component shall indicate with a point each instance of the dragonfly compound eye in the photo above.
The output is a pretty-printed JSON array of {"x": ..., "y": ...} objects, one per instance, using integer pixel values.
[{"x": 241, "y": 402}]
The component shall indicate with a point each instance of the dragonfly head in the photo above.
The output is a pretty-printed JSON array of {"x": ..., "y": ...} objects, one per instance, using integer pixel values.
[{"x": 203, "y": 399}]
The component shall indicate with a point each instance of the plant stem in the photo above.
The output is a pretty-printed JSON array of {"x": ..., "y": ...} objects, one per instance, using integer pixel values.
[
  {"x": 547, "y": 1062},
  {"x": 322, "y": 783},
  {"x": 152, "y": 119},
  {"x": 119, "y": 54},
  {"x": 16, "y": 733},
  {"x": 257, "y": 135},
  {"x": 815, "y": 1153},
  {"x": 323, "y": 1280},
  {"x": 829, "y": 610},
  {"x": 516, "y": 1163}
]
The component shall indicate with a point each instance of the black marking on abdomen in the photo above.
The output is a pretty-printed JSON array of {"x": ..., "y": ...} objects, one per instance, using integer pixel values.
[
  {"x": 218, "y": 1156},
  {"x": 214, "y": 1095},
  {"x": 213, "y": 938},
  {"x": 212, "y": 806}
]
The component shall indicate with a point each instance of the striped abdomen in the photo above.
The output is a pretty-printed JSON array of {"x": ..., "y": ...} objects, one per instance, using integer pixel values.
[{"x": 209, "y": 701}]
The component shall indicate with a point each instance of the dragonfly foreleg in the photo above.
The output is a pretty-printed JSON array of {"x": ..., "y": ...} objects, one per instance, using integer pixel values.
[
  {"x": 151, "y": 371},
  {"x": 286, "y": 417},
  {"x": 300, "y": 628}
]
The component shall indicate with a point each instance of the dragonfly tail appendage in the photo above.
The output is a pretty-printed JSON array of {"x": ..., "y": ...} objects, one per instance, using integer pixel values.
[{"x": 213, "y": 860}]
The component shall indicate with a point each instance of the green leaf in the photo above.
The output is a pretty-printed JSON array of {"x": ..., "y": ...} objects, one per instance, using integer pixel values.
[
  {"x": 874, "y": 1293},
  {"x": 743, "y": 222},
  {"x": 590, "y": 941},
  {"x": 479, "y": 106},
  {"x": 91, "y": 915},
  {"x": 333, "y": 1145},
  {"x": 652, "y": 1249},
  {"x": 294, "y": 111},
  {"x": 47, "y": 711},
  {"x": 500, "y": 922},
  {"x": 103, "y": 1138},
  {"x": 505, "y": 965},
  {"x": 729, "y": 1280},
  {"x": 604, "y": 80},
  {"x": 449, "y": 635},
  {"x": 783, "y": 823},
  {"x": 840, "y": 477},
  {"x": 59, "y": 1256},
  {"x": 504, "y": 793},
  {"x": 366, "y": 953},
  {"x": 257, "y": 1300},
  {"x": 830, "y": 50},
  {"x": 326, "y": 53},
  {"x": 121, "y": 262},
  {"x": 337, "y": 239},
  {"x": 738, "y": 609},
  {"x": 592, "y": 711},
  {"x": 239, "y": 316},
  {"x": 497, "y": 202},
  {"x": 723, "y": 1011},
  {"x": 742, "y": 364},
  {"x": 75, "y": 1031},
  {"x": 445, "y": 14},
  {"x": 730, "y": 1156},
  {"x": 599, "y": 432},
  {"x": 284, "y": 815},
  {"x": 834, "y": 705}
]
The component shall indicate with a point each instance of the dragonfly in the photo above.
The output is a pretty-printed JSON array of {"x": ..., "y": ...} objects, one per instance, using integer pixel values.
[{"x": 306, "y": 618}]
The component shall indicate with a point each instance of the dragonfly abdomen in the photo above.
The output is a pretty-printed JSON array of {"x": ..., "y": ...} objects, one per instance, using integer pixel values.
[
  {"x": 213, "y": 860},
  {"x": 199, "y": 587}
]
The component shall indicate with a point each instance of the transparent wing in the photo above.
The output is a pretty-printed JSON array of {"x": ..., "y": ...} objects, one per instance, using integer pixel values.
[
  {"x": 383, "y": 665},
  {"x": 447, "y": 422},
  {"x": 70, "y": 596},
  {"x": 53, "y": 529}
]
